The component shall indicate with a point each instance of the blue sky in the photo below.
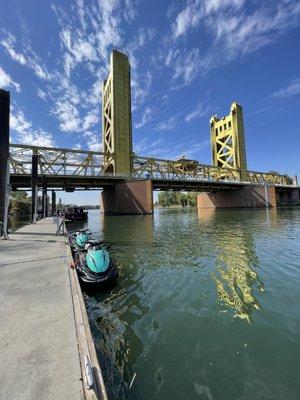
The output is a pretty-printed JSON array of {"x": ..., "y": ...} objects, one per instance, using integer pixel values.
[{"x": 190, "y": 60}]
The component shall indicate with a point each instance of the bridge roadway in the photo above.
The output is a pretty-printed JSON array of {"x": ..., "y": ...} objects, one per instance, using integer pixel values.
[{"x": 96, "y": 182}]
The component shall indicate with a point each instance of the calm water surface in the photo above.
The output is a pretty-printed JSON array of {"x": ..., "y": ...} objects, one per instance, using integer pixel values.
[{"x": 206, "y": 306}]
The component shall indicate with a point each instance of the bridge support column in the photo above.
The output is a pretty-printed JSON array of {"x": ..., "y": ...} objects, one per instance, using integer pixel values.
[
  {"x": 134, "y": 197},
  {"x": 4, "y": 148},
  {"x": 245, "y": 197},
  {"x": 44, "y": 198},
  {"x": 53, "y": 202},
  {"x": 34, "y": 189}
]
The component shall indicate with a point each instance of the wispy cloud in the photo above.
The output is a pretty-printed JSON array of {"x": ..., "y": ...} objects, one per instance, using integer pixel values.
[
  {"x": 146, "y": 116},
  {"x": 41, "y": 94},
  {"x": 185, "y": 65},
  {"x": 291, "y": 89},
  {"x": 25, "y": 133},
  {"x": 232, "y": 29},
  {"x": 168, "y": 124},
  {"x": 26, "y": 58},
  {"x": 93, "y": 141},
  {"x": 196, "y": 10},
  {"x": 198, "y": 112},
  {"x": 7, "y": 82}
]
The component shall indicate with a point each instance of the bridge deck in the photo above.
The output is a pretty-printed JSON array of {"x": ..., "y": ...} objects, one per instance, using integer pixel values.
[
  {"x": 96, "y": 182},
  {"x": 39, "y": 354}
]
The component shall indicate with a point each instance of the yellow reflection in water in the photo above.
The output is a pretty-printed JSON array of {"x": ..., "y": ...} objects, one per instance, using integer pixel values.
[{"x": 236, "y": 279}]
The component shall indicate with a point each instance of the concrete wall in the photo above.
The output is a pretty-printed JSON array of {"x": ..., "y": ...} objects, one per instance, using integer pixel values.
[
  {"x": 247, "y": 197},
  {"x": 288, "y": 197},
  {"x": 128, "y": 198}
]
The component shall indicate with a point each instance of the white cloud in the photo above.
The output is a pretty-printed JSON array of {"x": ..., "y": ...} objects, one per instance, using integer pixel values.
[
  {"x": 196, "y": 10},
  {"x": 168, "y": 124},
  {"x": 91, "y": 119},
  {"x": 199, "y": 111},
  {"x": 28, "y": 58},
  {"x": 129, "y": 10},
  {"x": 7, "y": 82},
  {"x": 77, "y": 48},
  {"x": 239, "y": 34},
  {"x": 147, "y": 114},
  {"x": 185, "y": 63},
  {"x": 68, "y": 115},
  {"x": 234, "y": 30},
  {"x": 188, "y": 18},
  {"x": 216, "y": 5},
  {"x": 26, "y": 134},
  {"x": 293, "y": 88},
  {"x": 41, "y": 94},
  {"x": 94, "y": 141}
]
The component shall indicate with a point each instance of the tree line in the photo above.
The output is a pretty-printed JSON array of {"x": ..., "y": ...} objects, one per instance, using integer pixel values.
[{"x": 168, "y": 199}]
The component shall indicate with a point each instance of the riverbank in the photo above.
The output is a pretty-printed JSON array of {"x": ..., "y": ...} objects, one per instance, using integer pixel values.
[{"x": 40, "y": 357}]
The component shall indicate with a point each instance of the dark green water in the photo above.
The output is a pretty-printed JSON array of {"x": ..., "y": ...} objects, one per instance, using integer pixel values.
[{"x": 206, "y": 307}]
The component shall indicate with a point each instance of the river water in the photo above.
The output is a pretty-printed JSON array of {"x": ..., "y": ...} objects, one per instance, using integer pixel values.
[{"x": 207, "y": 306}]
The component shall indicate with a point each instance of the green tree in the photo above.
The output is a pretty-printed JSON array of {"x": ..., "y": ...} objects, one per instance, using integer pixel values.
[
  {"x": 20, "y": 196},
  {"x": 171, "y": 198}
]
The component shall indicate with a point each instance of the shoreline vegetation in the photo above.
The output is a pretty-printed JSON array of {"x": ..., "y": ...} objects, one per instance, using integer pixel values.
[{"x": 176, "y": 199}]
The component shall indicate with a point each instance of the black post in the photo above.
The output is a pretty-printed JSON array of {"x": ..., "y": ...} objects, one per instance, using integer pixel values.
[
  {"x": 53, "y": 202},
  {"x": 4, "y": 146},
  {"x": 34, "y": 183},
  {"x": 44, "y": 197}
]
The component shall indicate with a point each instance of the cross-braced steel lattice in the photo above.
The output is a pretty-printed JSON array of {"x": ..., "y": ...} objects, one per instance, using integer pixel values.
[{"x": 56, "y": 161}]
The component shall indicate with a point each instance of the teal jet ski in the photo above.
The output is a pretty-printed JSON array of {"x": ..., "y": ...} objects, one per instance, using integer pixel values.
[
  {"x": 94, "y": 264},
  {"x": 79, "y": 239}
]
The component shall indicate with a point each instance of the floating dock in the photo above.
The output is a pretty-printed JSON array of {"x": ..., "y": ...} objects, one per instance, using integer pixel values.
[{"x": 47, "y": 351}]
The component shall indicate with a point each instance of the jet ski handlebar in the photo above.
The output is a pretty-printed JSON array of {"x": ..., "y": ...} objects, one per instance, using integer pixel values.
[{"x": 95, "y": 242}]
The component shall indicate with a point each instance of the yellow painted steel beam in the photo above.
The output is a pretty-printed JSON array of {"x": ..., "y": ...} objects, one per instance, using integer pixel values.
[
  {"x": 116, "y": 116},
  {"x": 228, "y": 141}
]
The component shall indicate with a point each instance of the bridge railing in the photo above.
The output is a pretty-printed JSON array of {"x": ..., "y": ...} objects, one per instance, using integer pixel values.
[
  {"x": 56, "y": 161},
  {"x": 146, "y": 167},
  {"x": 181, "y": 169},
  {"x": 76, "y": 162}
]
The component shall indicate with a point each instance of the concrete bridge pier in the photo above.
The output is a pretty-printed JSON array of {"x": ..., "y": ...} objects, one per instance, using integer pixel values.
[
  {"x": 244, "y": 197},
  {"x": 288, "y": 196},
  {"x": 250, "y": 197},
  {"x": 134, "y": 197}
]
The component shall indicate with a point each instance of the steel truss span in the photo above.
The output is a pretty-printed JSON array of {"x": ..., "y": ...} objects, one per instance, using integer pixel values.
[
  {"x": 82, "y": 163},
  {"x": 55, "y": 161},
  {"x": 190, "y": 170}
]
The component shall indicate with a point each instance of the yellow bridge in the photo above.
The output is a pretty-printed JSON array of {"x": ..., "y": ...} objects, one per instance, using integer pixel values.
[{"x": 128, "y": 179}]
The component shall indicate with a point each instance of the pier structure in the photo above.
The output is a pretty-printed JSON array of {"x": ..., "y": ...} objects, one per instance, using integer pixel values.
[
  {"x": 127, "y": 179},
  {"x": 45, "y": 336}
]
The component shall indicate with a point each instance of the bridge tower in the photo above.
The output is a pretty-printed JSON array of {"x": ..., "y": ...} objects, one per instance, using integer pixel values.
[
  {"x": 116, "y": 116},
  {"x": 228, "y": 141},
  {"x": 130, "y": 197}
]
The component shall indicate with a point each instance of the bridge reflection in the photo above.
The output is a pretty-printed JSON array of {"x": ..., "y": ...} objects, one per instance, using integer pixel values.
[{"x": 235, "y": 277}]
